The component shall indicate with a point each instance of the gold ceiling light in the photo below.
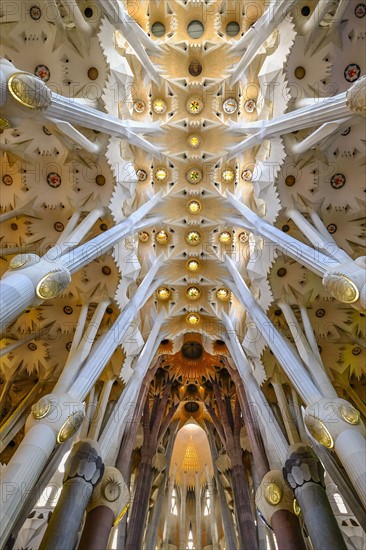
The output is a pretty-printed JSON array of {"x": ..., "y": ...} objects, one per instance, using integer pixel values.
[
  {"x": 223, "y": 294},
  {"x": 161, "y": 174},
  {"x": 194, "y": 141},
  {"x": 225, "y": 237},
  {"x": 194, "y": 207},
  {"x": 144, "y": 236},
  {"x": 193, "y": 265},
  {"x": 163, "y": 294},
  {"x": 162, "y": 237},
  {"x": 193, "y": 237},
  {"x": 194, "y": 105},
  {"x": 194, "y": 175},
  {"x": 228, "y": 175},
  {"x": 159, "y": 106},
  {"x": 193, "y": 319},
  {"x": 193, "y": 293}
]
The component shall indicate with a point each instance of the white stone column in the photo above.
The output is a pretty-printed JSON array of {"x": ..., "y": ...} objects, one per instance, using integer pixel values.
[
  {"x": 281, "y": 348},
  {"x": 211, "y": 491},
  {"x": 182, "y": 512},
  {"x": 337, "y": 425},
  {"x": 108, "y": 441},
  {"x": 197, "y": 490},
  {"x": 135, "y": 36},
  {"x": 17, "y": 104},
  {"x": 60, "y": 416},
  {"x": 257, "y": 34},
  {"x": 346, "y": 281},
  {"x": 337, "y": 109},
  {"x": 167, "y": 520},
  {"x": 257, "y": 401},
  {"x": 96, "y": 423},
  {"x": 312, "y": 361},
  {"x": 19, "y": 285}
]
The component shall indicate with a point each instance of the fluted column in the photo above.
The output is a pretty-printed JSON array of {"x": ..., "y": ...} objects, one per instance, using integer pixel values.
[
  {"x": 197, "y": 492},
  {"x": 20, "y": 101},
  {"x": 56, "y": 417},
  {"x": 109, "y": 501},
  {"x": 211, "y": 491},
  {"x": 32, "y": 279},
  {"x": 182, "y": 512},
  {"x": 275, "y": 501},
  {"x": 305, "y": 475},
  {"x": 345, "y": 281},
  {"x": 336, "y": 110},
  {"x": 83, "y": 470}
]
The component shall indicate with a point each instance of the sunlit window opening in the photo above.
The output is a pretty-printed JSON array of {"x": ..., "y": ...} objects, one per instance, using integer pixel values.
[
  {"x": 174, "y": 509},
  {"x": 207, "y": 509},
  {"x": 340, "y": 503}
]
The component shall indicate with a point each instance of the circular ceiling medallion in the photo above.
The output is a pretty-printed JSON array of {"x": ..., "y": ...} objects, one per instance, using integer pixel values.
[
  {"x": 223, "y": 294},
  {"x": 195, "y": 68},
  {"x": 194, "y": 141},
  {"x": 93, "y": 73},
  {"x": 282, "y": 272},
  {"x": 300, "y": 73},
  {"x": 228, "y": 175},
  {"x": 43, "y": 72},
  {"x": 225, "y": 237},
  {"x": 247, "y": 175},
  {"x": 141, "y": 175},
  {"x": 193, "y": 265},
  {"x": 59, "y": 227},
  {"x": 360, "y": 11},
  {"x": 159, "y": 106},
  {"x": 193, "y": 237},
  {"x": 194, "y": 207},
  {"x": 230, "y": 106},
  {"x": 194, "y": 105},
  {"x": 193, "y": 293},
  {"x": 290, "y": 181},
  {"x": 163, "y": 294},
  {"x": 7, "y": 180},
  {"x": 320, "y": 312},
  {"x": 54, "y": 180},
  {"x": 100, "y": 180},
  {"x": 162, "y": 237},
  {"x": 338, "y": 181},
  {"x": 243, "y": 237},
  {"x": 352, "y": 72},
  {"x": 194, "y": 175},
  {"x": 356, "y": 351},
  {"x": 139, "y": 106},
  {"x": 161, "y": 174},
  {"x": 144, "y": 236},
  {"x": 35, "y": 13},
  {"x": 250, "y": 106},
  {"x": 193, "y": 319},
  {"x": 332, "y": 228}
]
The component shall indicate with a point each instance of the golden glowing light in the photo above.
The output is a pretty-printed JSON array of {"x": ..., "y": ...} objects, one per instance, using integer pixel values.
[
  {"x": 225, "y": 237},
  {"x": 162, "y": 237},
  {"x": 194, "y": 141},
  {"x": 193, "y": 293},
  {"x": 159, "y": 106},
  {"x": 163, "y": 294},
  {"x": 193, "y": 319},
  {"x": 194, "y": 207},
  {"x": 193, "y": 265},
  {"x": 223, "y": 294},
  {"x": 193, "y": 237}
]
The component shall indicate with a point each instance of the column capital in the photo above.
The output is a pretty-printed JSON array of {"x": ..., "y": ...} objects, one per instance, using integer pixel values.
[
  {"x": 273, "y": 495},
  {"x": 84, "y": 462},
  {"x": 347, "y": 282},
  {"x": 111, "y": 492},
  {"x": 356, "y": 96},
  {"x": 328, "y": 418},
  {"x": 302, "y": 466},
  {"x": 61, "y": 413}
]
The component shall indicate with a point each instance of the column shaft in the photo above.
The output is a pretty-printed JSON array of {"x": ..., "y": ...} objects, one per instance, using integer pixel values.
[{"x": 97, "y": 528}]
